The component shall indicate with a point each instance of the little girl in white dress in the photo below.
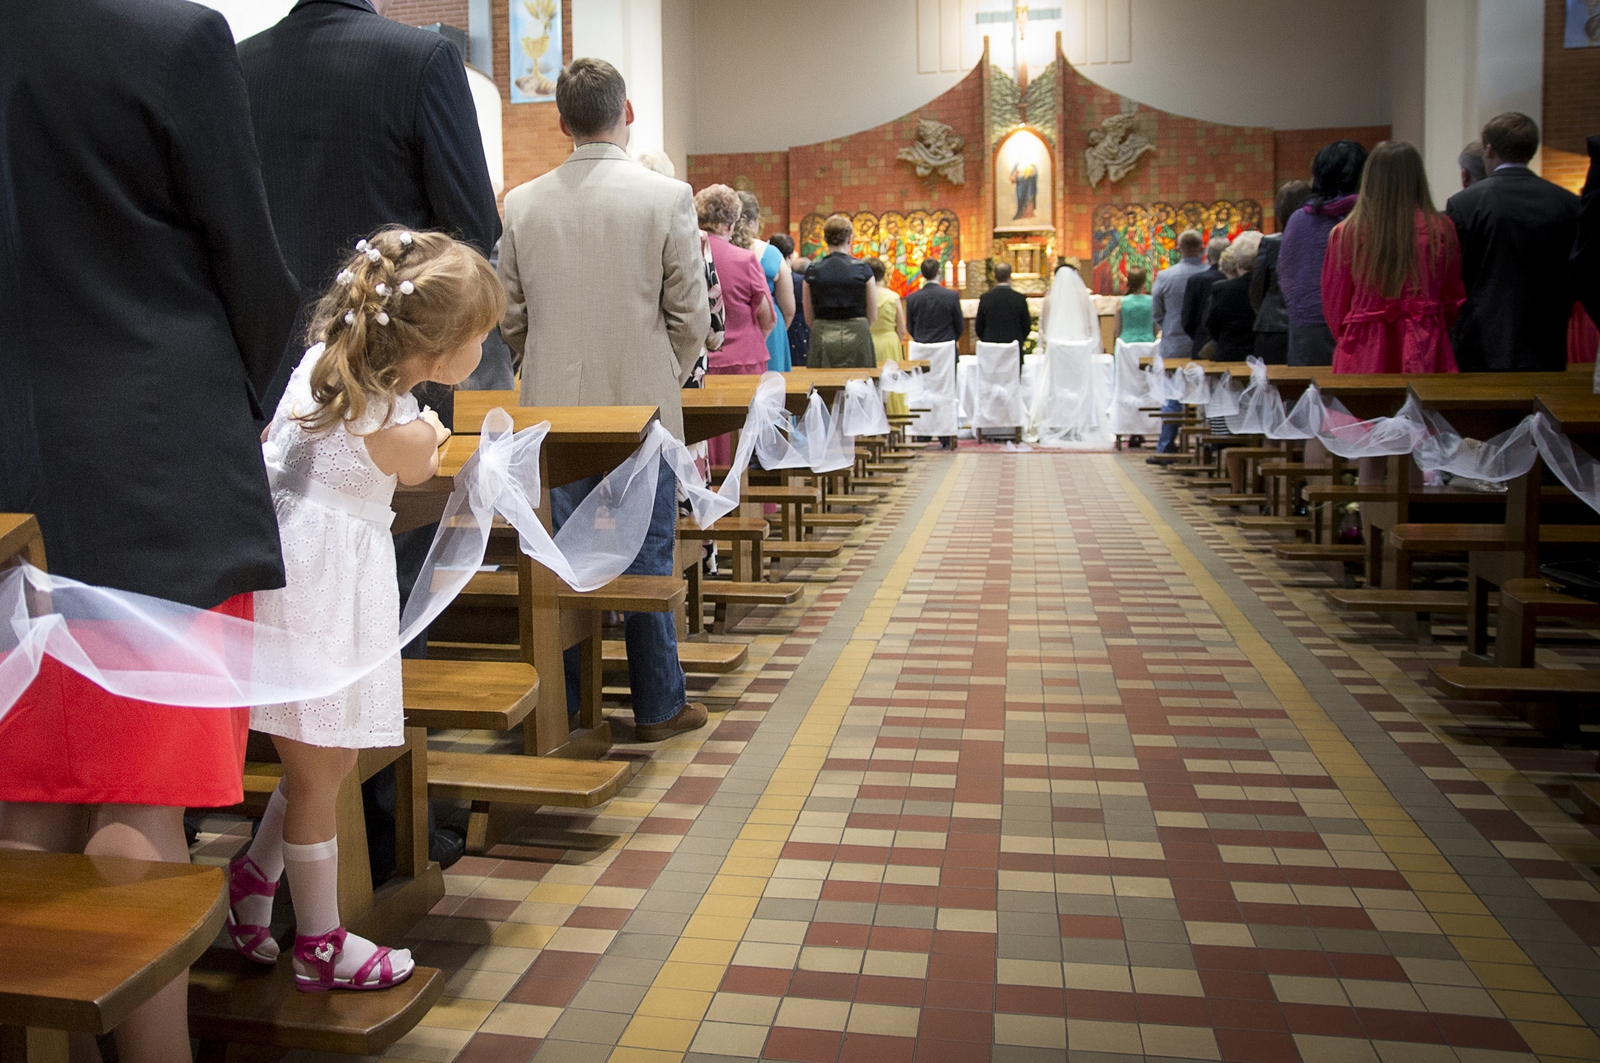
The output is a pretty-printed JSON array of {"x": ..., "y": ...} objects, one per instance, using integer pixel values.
[{"x": 406, "y": 308}]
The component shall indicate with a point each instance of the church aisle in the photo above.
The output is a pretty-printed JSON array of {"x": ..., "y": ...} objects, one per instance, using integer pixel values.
[{"x": 1056, "y": 768}]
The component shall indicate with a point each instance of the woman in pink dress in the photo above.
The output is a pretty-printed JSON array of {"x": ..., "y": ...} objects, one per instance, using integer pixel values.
[
  {"x": 1391, "y": 280},
  {"x": 746, "y": 301}
]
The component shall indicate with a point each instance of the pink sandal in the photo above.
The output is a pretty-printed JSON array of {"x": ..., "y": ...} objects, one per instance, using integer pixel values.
[
  {"x": 321, "y": 952},
  {"x": 245, "y": 879}
]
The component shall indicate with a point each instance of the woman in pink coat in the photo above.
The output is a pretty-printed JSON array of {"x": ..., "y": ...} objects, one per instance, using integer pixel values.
[{"x": 1391, "y": 280}]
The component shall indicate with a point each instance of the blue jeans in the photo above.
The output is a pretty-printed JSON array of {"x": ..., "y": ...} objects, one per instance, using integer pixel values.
[
  {"x": 1169, "y": 429},
  {"x": 654, "y": 673}
]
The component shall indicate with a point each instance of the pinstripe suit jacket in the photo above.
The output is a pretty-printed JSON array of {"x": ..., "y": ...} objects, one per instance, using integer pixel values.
[{"x": 362, "y": 122}]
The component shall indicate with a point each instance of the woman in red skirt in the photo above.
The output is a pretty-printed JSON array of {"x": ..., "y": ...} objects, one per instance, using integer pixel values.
[{"x": 142, "y": 298}]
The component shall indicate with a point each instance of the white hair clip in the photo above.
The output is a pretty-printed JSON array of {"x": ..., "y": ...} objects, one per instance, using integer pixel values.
[
  {"x": 374, "y": 255},
  {"x": 383, "y": 318},
  {"x": 345, "y": 277},
  {"x": 361, "y": 245},
  {"x": 405, "y": 238},
  {"x": 406, "y": 287},
  {"x": 349, "y": 317},
  {"x": 382, "y": 290}
]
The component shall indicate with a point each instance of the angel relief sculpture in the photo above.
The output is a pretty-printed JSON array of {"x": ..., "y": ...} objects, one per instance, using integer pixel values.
[
  {"x": 1115, "y": 147},
  {"x": 937, "y": 150}
]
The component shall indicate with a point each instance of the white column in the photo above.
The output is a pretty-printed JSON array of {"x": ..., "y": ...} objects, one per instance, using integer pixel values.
[
  {"x": 627, "y": 34},
  {"x": 1450, "y": 95}
]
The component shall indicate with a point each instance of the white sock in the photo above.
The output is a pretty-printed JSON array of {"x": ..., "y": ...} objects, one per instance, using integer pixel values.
[
  {"x": 267, "y": 852},
  {"x": 314, "y": 883}
]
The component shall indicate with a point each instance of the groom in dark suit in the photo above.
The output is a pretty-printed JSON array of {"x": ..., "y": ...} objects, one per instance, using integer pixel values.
[{"x": 363, "y": 122}]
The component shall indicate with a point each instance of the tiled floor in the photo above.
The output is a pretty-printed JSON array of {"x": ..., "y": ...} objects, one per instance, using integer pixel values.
[{"x": 1049, "y": 765}]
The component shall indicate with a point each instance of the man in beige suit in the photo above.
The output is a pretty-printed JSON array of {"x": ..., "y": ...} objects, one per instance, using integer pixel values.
[{"x": 606, "y": 306}]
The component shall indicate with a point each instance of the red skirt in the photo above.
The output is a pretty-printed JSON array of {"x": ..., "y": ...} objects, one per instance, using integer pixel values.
[{"x": 68, "y": 741}]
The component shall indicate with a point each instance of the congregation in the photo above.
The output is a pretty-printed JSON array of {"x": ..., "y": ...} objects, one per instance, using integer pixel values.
[{"x": 582, "y": 553}]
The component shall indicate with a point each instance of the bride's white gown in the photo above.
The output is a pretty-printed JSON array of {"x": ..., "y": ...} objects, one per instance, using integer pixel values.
[{"x": 1070, "y": 399}]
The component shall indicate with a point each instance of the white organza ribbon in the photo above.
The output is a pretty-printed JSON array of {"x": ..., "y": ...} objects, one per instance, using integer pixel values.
[
  {"x": 136, "y": 646},
  {"x": 893, "y": 380}
]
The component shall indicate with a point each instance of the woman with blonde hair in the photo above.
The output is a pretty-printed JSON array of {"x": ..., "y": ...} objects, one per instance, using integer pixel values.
[
  {"x": 780, "y": 282},
  {"x": 746, "y": 302},
  {"x": 889, "y": 330},
  {"x": 1391, "y": 281}
]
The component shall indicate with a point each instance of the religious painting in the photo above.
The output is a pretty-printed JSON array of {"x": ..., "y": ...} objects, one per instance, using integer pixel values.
[
  {"x": 1146, "y": 235},
  {"x": 1583, "y": 24},
  {"x": 1022, "y": 184},
  {"x": 902, "y": 241},
  {"x": 535, "y": 50}
]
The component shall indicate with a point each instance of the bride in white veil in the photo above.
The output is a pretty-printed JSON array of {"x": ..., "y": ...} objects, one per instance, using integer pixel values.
[{"x": 1070, "y": 398}]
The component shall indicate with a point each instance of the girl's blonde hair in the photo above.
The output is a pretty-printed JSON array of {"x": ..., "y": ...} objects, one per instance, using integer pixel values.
[
  {"x": 744, "y": 230},
  {"x": 401, "y": 294},
  {"x": 1382, "y": 227}
]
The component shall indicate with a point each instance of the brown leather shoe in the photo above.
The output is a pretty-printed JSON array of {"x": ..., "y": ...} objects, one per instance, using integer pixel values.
[{"x": 691, "y": 717}]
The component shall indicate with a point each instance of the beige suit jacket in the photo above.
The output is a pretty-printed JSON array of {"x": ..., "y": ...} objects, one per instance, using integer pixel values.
[{"x": 605, "y": 285}]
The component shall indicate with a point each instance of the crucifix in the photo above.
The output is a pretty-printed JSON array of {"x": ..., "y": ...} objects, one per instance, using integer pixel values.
[{"x": 1020, "y": 65}]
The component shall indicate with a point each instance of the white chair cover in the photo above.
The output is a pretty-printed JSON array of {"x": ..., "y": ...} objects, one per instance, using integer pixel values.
[
  {"x": 999, "y": 387},
  {"x": 1070, "y": 395},
  {"x": 1132, "y": 391},
  {"x": 938, "y": 389}
]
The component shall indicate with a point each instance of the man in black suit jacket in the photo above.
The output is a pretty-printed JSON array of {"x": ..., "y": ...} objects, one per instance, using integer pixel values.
[
  {"x": 1516, "y": 232},
  {"x": 362, "y": 122},
  {"x": 1585, "y": 263},
  {"x": 933, "y": 312},
  {"x": 1003, "y": 311},
  {"x": 1197, "y": 297}
]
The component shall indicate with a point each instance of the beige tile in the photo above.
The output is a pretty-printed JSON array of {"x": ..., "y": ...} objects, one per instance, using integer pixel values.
[
  {"x": 474, "y": 983},
  {"x": 1137, "y": 886},
  {"x": 521, "y": 1020},
  {"x": 897, "y": 964},
  {"x": 1326, "y": 896},
  {"x": 1396, "y": 996},
  {"x": 1086, "y": 1035},
  {"x": 766, "y": 954},
  {"x": 1317, "y": 1049},
  {"x": 1263, "y": 893},
  {"x": 822, "y": 958},
  {"x": 808, "y": 1014},
  {"x": 1032, "y": 1031},
  {"x": 974, "y": 920},
  {"x": 1458, "y": 1000},
  {"x": 581, "y": 939},
  {"x": 613, "y": 897},
  {"x": 742, "y": 1008},
  {"x": 729, "y": 1039},
  {"x": 1437, "y": 972},
  {"x": 1234, "y": 934},
  {"x": 429, "y": 1044},
  {"x": 783, "y": 931},
  {"x": 884, "y": 1019},
  {"x": 1299, "y": 989},
  {"x": 541, "y": 914},
  {"x": 1100, "y": 976},
  {"x": 1026, "y": 972},
  {"x": 1403, "y": 922},
  {"x": 1184, "y": 1042},
  {"x": 501, "y": 958},
  {"x": 1409, "y": 1052},
  {"x": 1168, "y": 981}
]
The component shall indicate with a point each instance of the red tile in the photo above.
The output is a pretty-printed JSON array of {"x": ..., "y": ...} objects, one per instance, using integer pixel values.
[
  {"x": 1239, "y": 1014},
  {"x": 1091, "y": 926},
  {"x": 1473, "y": 1031},
  {"x": 877, "y": 989},
  {"x": 486, "y": 908},
  {"x": 939, "y": 1051},
  {"x": 1257, "y": 1046},
  {"x": 822, "y": 985},
  {"x": 841, "y": 935},
  {"x": 874, "y": 1048},
  {"x": 633, "y": 878},
  {"x": 1108, "y": 1007},
  {"x": 498, "y": 1048},
  {"x": 1236, "y": 985},
  {"x": 893, "y": 893},
  {"x": 805, "y": 1046},
  {"x": 1226, "y": 958},
  {"x": 1375, "y": 968},
  {"x": 962, "y": 943},
  {"x": 1172, "y": 1011},
  {"x": 547, "y": 992},
  {"x": 961, "y": 996},
  {"x": 552, "y": 963},
  {"x": 946, "y": 1025},
  {"x": 1323, "y": 1020},
  {"x": 599, "y": 918},
  {"x": 756, "y": 981},
  {"x": 900, "y": 939},
  {"x": 1028, "y": 1000},
  {"x": 1297, "y": 961},
  {"x": 1338, "y": 918},
  {"x": 1384, "y": 1025},
  {"x": 840, "y": 890}
]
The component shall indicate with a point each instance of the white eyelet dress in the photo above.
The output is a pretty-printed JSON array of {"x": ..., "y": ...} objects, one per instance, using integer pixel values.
[{"x": 333, "y": 520}]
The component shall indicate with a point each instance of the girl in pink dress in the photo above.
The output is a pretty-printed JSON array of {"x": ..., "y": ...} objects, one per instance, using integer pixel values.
[{"x": 1391, "y": 280}]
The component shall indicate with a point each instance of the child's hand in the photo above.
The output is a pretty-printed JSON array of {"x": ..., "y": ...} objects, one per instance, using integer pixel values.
[{"x": 441, "y": 433}]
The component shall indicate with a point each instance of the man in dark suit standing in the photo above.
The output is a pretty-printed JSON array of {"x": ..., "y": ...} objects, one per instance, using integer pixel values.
[
  {"x": 1197, "y": 297},
  {"x": 1516, "y": 232},
  {"x": 933, "y": 315},
  {"x": 1003, "y": 311},
  {"x": 363, "y": 122},
  {"x": 1586, "y": 248}
]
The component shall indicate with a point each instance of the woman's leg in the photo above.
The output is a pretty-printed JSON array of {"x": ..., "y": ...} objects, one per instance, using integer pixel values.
[
  {"x": 158, "y": 1032},
  {"x": 311, "y": 856}
]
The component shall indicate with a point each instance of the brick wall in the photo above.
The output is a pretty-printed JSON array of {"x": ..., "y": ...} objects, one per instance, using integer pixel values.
[
  {"x": 1293, "y": 149},
  {"x": 860, "y": 172},
  {"x": 1193, "y": 161},
  {"x": 427, "y": 12},
  {"x": 1571, "y": 101}
]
